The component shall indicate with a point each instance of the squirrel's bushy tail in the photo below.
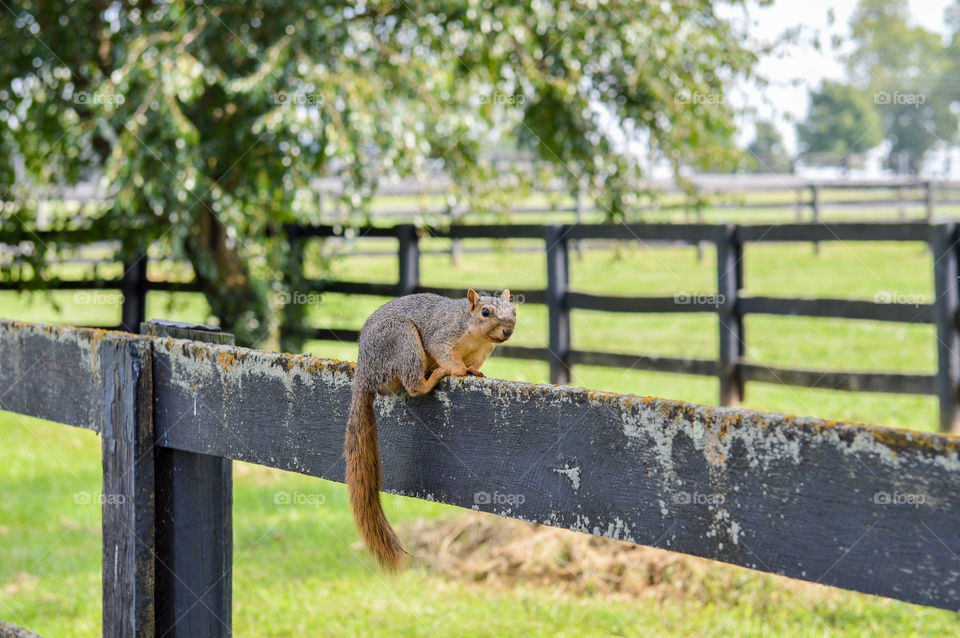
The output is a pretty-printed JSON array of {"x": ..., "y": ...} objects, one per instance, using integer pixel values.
[{"x": 363, "y": 481}]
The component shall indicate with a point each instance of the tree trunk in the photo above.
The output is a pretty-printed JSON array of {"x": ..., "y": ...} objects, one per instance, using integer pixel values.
[{"x": 226, "y": 281}]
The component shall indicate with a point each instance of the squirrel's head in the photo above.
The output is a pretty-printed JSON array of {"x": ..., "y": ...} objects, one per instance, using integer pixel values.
[{"x": 492, "y": 318}]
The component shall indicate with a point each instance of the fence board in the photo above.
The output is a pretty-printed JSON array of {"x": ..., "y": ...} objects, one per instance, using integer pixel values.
[
  {"x": 847, "y": 381},
  {"x": 839, "y": 308},
  {"x": 645, "y": 232},
  {"x": 806, "y": 498},
  {"x": 522, "y": 352},
  {"x": 646, "y": 362},
  {"x": 340, "y": 231},
  {"x": 607, "y": 303},
  {"x": 850, "y": 231},
  {"x": 352, "y": 287},
  {"x": 41, "y": 364},
  {"x": 129, "y": 488},
  {"x": 491, "y": 231},
  {"x": 527, "y": 296}
]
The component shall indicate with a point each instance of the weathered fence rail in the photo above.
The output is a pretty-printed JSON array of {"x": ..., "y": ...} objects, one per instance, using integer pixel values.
[
  {"x": 860, "y": 507},
  {"x": 730, "y": 303}
]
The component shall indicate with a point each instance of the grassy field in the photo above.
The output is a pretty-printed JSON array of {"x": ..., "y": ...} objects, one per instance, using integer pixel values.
[{"x": 299, "y": 570}]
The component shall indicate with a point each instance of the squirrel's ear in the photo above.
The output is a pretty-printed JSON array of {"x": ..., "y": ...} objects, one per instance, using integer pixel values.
[
  {"x": 473, "y": 297},
  {"x": 505, "y": 295}
]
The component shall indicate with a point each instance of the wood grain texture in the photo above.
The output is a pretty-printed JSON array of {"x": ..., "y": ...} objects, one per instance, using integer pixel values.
[
  {"x": 865, "y": 508},
  {"x": 128, "y": 488},
  {"x": 42, "y": 364}
]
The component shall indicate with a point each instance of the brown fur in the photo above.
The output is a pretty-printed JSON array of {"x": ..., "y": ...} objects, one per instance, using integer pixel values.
[{"x": 411, "y": 343}]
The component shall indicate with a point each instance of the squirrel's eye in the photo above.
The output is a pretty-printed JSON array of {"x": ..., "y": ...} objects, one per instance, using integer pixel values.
[{"x": 485, "y": 312}]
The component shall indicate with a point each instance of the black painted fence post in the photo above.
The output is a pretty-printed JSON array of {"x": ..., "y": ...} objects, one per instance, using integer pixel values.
[
  {"x": 815, "y": 207},
  {"x": 947, "y": 304},
  {"x": 133, "y": 285},
  {"x": 730, "y": 319},
  {"x": 127, "y": 500},
  {"x": 293, "y": 313},
  {"x": 194, "y": 526},
  {"x": 456, "y": 246},
  {"x": 408, "y": 252},
  {"x": 559, "y": 314}
]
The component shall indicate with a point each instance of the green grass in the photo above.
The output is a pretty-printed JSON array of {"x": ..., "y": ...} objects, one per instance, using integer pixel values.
[{"x": 299, "y": 571}]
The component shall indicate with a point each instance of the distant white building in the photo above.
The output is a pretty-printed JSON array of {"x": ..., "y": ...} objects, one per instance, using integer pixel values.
[{"x": 942, "y": 163}]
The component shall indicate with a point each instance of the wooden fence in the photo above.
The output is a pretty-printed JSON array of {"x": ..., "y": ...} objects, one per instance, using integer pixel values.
[
  {"x": 860, "y": 507},
  {"x": 729, "y": 302},
  {"x": 133, "y": 284},
  {"x": 718, "y": 191},
  {"x": 810, "y": 201}
]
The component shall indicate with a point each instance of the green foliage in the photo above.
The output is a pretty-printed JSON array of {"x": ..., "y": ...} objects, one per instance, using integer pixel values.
[
  {"x": 205, "y": 122},
  {"x": 842, "y": 120},
  {"x": 905, "y": 70},
  {"x": 767, "y": 150}
]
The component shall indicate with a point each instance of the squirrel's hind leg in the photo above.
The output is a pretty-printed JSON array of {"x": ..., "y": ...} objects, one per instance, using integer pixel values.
[{"x": 412, "y": 362}]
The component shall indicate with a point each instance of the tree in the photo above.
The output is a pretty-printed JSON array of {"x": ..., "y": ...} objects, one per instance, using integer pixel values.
[
  {"x": 948, "y": 80},
  {"x": 902, "y": 66},
  {"x": 767, "y": 150},
  {"x": 205, "y": 121},
  {"x": 842, "y": 120}
]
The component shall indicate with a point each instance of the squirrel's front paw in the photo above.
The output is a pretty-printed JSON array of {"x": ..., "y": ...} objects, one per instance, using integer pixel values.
[{"x": 473, "y": 372}]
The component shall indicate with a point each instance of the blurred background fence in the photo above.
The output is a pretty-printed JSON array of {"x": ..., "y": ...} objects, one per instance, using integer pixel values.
[{"x": 728, "y": 301}]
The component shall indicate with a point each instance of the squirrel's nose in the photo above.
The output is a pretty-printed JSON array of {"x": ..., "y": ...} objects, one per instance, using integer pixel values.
[{"x": 507, "y": 331}]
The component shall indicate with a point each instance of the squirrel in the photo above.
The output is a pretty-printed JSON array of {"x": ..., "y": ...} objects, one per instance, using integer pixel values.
[{"x": 411, "y": 343}]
